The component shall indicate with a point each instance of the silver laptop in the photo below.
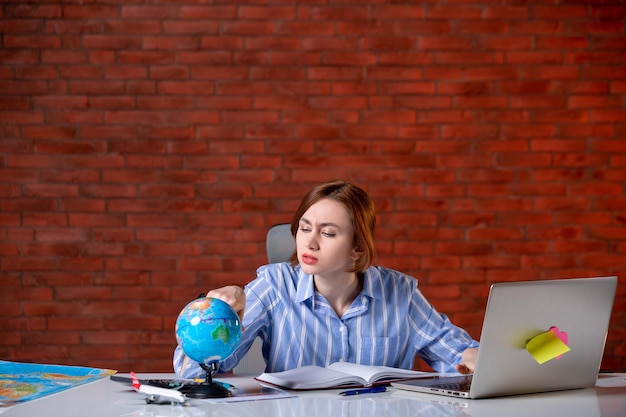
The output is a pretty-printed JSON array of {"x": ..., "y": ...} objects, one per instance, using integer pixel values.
[{"x": 519, "y": 311}]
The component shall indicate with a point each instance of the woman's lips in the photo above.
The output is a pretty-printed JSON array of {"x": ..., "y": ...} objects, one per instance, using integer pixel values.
[{"x": 308, "y": 259}]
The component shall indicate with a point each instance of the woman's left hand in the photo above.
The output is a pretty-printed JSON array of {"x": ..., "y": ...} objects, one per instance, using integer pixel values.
[{"x": 468, "y": 361}]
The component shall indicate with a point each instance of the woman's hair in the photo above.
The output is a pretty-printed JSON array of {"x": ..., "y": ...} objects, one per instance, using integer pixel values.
[{"x": 362, "y": 214}]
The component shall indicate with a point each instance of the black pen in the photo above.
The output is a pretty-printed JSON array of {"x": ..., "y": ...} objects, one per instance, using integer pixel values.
[{"x": 370, "y": 390}]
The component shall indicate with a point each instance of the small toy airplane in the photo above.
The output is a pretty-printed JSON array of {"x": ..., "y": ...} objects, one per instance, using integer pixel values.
[{"x": 157, "y": 395}]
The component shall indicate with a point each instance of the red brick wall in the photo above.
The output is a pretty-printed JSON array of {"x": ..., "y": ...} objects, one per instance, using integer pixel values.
[{"x": 147, "y": 146}]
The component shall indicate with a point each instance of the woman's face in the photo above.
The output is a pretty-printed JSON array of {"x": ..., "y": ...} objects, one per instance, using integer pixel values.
[{"x": 324, "y": 239}]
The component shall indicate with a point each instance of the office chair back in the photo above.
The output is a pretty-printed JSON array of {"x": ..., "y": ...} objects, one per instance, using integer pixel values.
[{"x": 279, "y": 243}]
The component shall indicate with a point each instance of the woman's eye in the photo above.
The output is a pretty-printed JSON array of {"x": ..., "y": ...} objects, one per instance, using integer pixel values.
[
  {"x": 304, "y": 229},
  {"x": 328, "y": 234}
]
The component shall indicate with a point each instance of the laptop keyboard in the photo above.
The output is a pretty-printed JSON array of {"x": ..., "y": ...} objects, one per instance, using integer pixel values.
[{"x": 452, "y": 383}]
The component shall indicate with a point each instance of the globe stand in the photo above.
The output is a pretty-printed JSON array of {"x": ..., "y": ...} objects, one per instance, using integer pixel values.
[{"x": 209, "y": 389}]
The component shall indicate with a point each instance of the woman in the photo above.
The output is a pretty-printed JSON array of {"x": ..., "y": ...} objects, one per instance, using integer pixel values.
[{"x": 330, "y": 304}]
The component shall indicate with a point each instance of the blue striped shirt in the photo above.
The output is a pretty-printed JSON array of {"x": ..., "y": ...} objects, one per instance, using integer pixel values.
[{"x": 388, "y": 323}]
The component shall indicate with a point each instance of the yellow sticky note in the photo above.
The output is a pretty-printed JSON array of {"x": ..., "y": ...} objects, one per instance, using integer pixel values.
[{"x": 546, "y": 346}]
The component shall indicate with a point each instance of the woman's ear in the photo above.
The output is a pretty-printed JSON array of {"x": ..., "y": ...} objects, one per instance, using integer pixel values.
[{"x": 356, "y": 253}]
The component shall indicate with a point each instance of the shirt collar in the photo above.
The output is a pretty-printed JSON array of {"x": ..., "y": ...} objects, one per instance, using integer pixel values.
[
  {"x": 372, "y": 284},
  {"x": 305, "y": 288}
]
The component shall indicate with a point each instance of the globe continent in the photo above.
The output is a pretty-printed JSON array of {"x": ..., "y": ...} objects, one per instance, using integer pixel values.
[{"x": 208, "y": 330}]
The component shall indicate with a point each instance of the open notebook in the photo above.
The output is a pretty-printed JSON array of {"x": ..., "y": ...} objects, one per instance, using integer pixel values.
[{"x": 537, "y": 336}]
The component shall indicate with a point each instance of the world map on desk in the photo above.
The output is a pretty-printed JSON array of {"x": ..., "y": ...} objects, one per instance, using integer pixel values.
[{"x": 20, "y": 382}]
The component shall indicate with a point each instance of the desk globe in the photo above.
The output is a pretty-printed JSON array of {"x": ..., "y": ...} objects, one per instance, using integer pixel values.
[{"x": 208, "y": 330}]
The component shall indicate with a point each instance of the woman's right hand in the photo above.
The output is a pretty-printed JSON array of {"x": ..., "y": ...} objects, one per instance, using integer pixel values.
[{"x": 233, "y": 296}]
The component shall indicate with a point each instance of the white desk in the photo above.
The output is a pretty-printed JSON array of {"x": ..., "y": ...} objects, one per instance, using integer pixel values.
[{"x": 106, "y": 398}]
